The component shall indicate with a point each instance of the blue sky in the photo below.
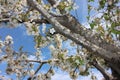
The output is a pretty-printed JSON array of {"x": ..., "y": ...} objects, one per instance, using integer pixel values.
[{"x": 22, "y": 39}]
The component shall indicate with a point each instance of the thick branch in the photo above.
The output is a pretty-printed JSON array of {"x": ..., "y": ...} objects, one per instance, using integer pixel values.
[
  {"x": 52, "y": 2},
  {"x": 106, "y": 54},
  {"x": 88, "y": 45},
  {"x": 115, "y": 67},
  {"x": 40, "y": 21},
  {"x": 95, "y": 64}
]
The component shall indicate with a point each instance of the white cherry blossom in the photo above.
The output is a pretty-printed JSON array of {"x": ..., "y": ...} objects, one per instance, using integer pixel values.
[{"x": 52, "y": 31}]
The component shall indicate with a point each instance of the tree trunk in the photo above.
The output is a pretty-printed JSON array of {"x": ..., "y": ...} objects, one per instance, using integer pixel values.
[{"x": 114, "y": 69}]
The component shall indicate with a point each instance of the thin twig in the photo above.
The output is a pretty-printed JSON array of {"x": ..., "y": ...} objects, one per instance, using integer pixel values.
[{"x": 39, "y": 68}]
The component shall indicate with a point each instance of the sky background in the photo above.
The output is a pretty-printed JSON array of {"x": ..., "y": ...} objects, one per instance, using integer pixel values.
[{"x": 22, "y": 39}]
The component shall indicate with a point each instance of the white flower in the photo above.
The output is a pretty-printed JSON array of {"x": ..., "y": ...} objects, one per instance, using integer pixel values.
[
  {"x": 32, "y": 28},
  {"x": 56, "y": 4},
  {"x": 38, "y": 53},
  {"x": 43, "y": 77},
  {"x": 43, "y": 27},
  {"x": 110, "y": 2},
  {"x": 52, "y": 31},
  {"x": 32, "y": 72},
  {"x": 8, "y": 38},
  {"x": 51, "y": 47},
  {"x": 69, "y": 0},
  {"x": 49, "y": 74},
  {"x": 58, "y": 41},
  {"x": 39, "y": 76}
]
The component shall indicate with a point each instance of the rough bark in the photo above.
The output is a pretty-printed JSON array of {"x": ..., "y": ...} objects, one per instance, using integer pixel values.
[{"x": 105, "y": 74}]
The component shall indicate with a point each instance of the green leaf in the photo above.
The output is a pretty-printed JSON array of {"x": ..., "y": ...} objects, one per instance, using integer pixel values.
[
  {"x": 113, "y": 28},
  {"x": 115, "y": 31},
  {"x": 92, "y": 25},
  {"x": 106, "y": 16},
  {"x": 89, "y": 9},
  {"x": 88, "y": 17},
  {"x": 86, "y": 73},
  {"x": 102, "y": 3},
  {"x": 77, "y": 62},
  {"x": 61, "y": 55},
  {"x": 69, "y": 8}
]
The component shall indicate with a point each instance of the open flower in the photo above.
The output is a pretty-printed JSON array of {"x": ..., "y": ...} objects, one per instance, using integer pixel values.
[
  {"x": 52, "y": 31},
  {"x": 8, "y": 40},
  {"x": 43, "y": 27},
  {"x": 31, "y": 73}
]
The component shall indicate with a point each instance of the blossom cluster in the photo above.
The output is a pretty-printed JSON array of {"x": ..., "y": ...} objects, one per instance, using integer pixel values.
[
  {"x": 6, "y": 43},
  {"x": 32, "y": 28},
  {"x": 18, "y": 62}
]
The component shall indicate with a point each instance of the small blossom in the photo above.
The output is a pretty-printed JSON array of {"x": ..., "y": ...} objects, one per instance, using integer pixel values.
[
  {"x": 43, "y": 27},
  {"x": 52, "y": 31},
  {"x": 31, "y": 73},
  {"x": 25, "y": 72},
  {"x": 110, "y": 2},
  {"x": 8, "y": 50},
  {"x": 31, "y": 65},
  {"x": 43, "y": 77},
  {"x": 39, "y": 76},
  {"x": 32, "y": 28},
  {"x": 49, "y": 75},
  {"x": 56, "y": 4},
  {"x": 73, "y": 74},
  {"x": 38, "y": 53},
  {"x": 51, "y": 47},
  {"x": 23, "y": 57},
  {"x": 8, "y": 38},
  {"x": 58, "y": 41}
]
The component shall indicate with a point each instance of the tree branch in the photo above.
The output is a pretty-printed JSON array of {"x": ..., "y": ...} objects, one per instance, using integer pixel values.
[
  {"x": 40, "y": 21},
  {"x": 39, "y": 61},
  {"x": 106, "y": 54},
  {"x": 37, "y": 70},
  {"x": 52, "y": 2},
  {"x": 5, "y": 20},
  {"x": 104, "y": 73}
]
